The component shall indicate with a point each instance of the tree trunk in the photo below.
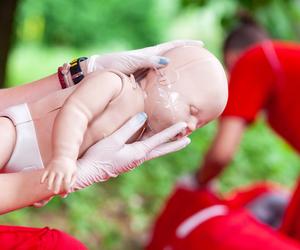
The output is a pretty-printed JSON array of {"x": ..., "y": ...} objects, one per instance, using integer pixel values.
[{"x": 7, "y": 13}]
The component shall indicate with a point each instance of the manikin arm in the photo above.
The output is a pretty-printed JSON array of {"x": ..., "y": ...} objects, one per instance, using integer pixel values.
[
  {"x": 222, "y": 150},
  {"x": 88, "y": 101}
]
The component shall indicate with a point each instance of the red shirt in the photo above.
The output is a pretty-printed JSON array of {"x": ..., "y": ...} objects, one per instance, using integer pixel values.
[
  {"x": 235, "y": 230},
  {"x": 267, "y": 77},
  {"x": 26, "y": 238}
]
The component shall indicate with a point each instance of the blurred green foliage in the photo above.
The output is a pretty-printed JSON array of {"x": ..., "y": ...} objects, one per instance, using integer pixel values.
[
  {"x": 86, "y": 23},
  {"x": 279, "y": 17},
  {"x": 118, "y": 214}
]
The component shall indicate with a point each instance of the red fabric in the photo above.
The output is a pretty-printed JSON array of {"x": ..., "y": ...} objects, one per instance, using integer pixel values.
[
  {"x": 25, "y": 238},
  {"x": 182, "y": 204},
  {"x": 61, "y": 78},
  {"x": 242, "y": 196},
  {"x": 291, "y": 222},
  {"x": 236, "y": 230},
  {"x": 256, "y": 84}
]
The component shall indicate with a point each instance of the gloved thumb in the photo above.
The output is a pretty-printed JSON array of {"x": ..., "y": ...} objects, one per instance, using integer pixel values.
[{"x": 154, "y": 62}]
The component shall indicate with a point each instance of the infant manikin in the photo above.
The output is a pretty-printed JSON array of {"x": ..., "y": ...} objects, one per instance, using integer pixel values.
[{"x": 192, "y": 88}]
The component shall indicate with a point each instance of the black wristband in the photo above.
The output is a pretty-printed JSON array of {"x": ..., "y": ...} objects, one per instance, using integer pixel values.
[{"x": 75, "y": 70}]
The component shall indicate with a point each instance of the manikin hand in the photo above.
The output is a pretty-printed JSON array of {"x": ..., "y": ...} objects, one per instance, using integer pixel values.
[
  {"x": 128, "y": 62},
  {"x": 111, "y": 156},
  {"x": 60, "y": 171}
]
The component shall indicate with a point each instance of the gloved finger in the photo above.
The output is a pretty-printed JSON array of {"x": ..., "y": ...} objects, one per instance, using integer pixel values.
[
  {"x": 163, "y": 136},
  {"x": 149, "y": 62},
  {"x": 67, "y": 182},
  {"x": 73, "y": 180},
  {"x": 153, "y": 62},
  {"x": 45, "y": 176},
  {"x": 142, "y": 61},
  {"x": 168, "y": 147},
  {"x": 122, "y": 135},
  {"x": 91, "y": 63},
  {"x": 58, "y": 182},
  {"x": 51, "y": 178},
  {"x": 164, "y": 47},
  {"x": 146, "y": 63}
]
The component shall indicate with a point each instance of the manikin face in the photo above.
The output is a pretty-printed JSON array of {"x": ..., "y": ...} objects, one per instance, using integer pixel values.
[{"x": 192, "y": 88}]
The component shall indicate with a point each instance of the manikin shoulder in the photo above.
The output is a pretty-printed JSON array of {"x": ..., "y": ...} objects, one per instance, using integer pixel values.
[
  {"x": 110, "y": 86},
  {"x": 104, "y": 83}
]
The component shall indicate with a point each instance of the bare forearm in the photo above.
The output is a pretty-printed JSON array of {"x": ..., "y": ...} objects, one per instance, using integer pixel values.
[
  {"x": 222, "y": 150},
  {"x": 33, "y": 91},
  {"x": 21, "y": 189},
  {"x": 29, "y": 92},
  {"x": 210, "y": 169}
]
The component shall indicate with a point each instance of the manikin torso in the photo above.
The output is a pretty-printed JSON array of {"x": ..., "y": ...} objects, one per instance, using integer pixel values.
[
  {"x": 116, "y": 113},
  {"x": 192, "y": 88}
]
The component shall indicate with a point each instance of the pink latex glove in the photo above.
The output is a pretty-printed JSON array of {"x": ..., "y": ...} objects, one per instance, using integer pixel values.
[
  {"x": 129, "y": 62},
  {"x": 111, "y": 156}
]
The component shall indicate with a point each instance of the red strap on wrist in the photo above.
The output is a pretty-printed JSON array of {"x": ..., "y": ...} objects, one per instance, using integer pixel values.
[{"x": 61, "y": 78}]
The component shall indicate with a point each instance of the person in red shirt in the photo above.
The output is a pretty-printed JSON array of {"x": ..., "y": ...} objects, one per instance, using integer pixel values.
[{"x": 264, "y": 76}]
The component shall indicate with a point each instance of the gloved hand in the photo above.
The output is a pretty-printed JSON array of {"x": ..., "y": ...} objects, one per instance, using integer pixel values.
[
  {"x": 111, "y": 156},
  {"x": 129, "y": 62}
]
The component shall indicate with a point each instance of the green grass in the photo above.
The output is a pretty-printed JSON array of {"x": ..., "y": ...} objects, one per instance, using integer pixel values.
[{"x": 117, "y": 214}]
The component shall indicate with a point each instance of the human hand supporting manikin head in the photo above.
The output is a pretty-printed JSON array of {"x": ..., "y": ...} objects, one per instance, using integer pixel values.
[
  {"x": 107, "y": 158},
  {"x": 112, "y": 156},
  {"x": 129, "y": 62}
]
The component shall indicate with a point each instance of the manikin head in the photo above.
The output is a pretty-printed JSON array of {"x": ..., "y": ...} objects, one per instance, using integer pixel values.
[{"x": 192, "y": 88}]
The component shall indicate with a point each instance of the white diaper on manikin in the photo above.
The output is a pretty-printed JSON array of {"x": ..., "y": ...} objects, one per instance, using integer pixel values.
[{"x": 26, "y": 155}]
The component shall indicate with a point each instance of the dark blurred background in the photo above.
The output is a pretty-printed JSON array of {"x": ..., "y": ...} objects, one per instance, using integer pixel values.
[{"x": 38, "y": 36}]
